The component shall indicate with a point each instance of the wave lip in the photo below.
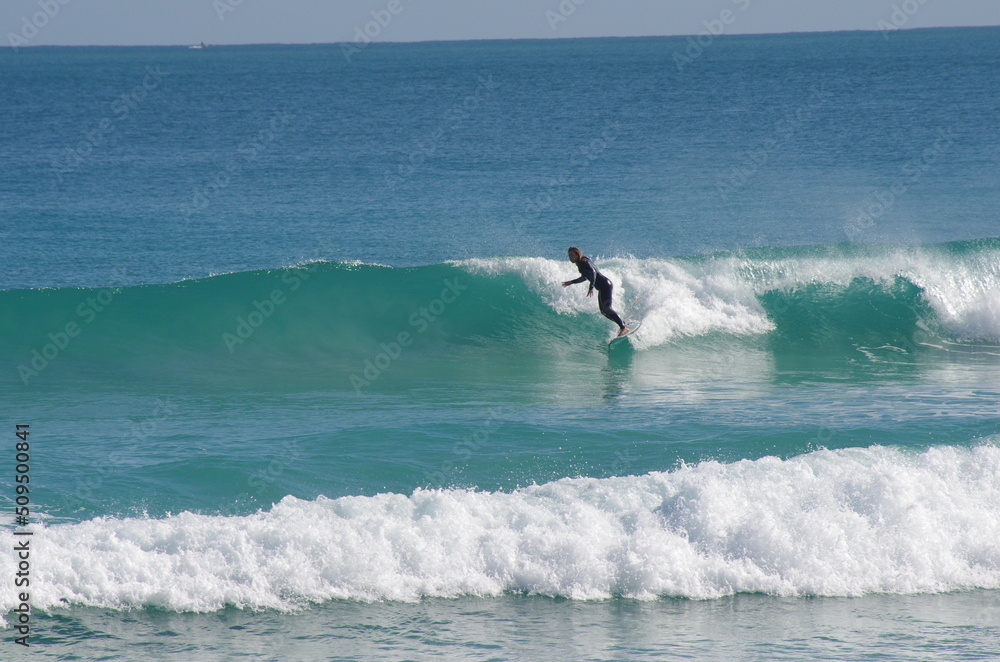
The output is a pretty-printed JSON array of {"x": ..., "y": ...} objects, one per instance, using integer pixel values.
[
  {"x": 955, "y": 286},
  {"x": 326, "y": 323},
  {"x": 829, "y": 523},
  {"x": 672, "y": 298}
]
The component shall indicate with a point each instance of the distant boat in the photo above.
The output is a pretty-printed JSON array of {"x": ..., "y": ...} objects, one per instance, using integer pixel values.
[{"x": 201, "y": 45}]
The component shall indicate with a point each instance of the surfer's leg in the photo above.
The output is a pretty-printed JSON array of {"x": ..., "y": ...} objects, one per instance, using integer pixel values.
[{"x": 604, "y": 302}]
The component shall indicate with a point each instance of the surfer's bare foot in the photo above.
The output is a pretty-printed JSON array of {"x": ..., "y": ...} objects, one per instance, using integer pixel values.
[{"x": 622, "y": 331}]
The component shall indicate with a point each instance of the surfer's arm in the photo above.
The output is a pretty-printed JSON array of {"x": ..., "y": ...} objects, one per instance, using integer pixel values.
[{"x": 574, "y": 282}]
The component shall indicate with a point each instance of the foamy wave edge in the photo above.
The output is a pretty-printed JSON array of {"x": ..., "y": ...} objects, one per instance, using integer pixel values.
[
  {"x": 682, "y": 297},
  {"x": 828, "y": 523}
]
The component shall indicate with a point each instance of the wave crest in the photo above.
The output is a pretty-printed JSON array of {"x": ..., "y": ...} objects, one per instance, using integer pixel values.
[{"x": 830, "y": 523}]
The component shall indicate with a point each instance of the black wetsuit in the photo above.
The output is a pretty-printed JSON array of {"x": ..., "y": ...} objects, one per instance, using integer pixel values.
[{"x": 599, "y": 282}]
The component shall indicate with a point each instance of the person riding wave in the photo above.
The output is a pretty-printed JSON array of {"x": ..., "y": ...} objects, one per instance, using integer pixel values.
[{"x": 599, "y": 282}]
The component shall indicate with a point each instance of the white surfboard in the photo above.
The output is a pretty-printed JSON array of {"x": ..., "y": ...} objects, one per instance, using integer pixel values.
[{"x": 632, "y": 325}]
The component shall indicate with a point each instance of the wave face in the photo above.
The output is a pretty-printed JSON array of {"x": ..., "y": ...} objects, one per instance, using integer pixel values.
[
  {"x": 811, "y": 292},
  {"x": 828, "y": 523},
  {"x": 324, "y": 319}
]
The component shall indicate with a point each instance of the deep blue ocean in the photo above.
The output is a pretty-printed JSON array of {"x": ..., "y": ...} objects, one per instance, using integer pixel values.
[{"x": 302, "y": 383}]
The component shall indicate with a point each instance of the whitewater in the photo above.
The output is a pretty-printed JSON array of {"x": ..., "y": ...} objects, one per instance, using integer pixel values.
[
  {"x": 721, "y": 293},
  {"x": 829, "y": 523}
]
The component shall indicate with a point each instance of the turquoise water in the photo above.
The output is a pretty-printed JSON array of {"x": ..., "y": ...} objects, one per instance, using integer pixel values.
[{"x": 302, "y": 382}]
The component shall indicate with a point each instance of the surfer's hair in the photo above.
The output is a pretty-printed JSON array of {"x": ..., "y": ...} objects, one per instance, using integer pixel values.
[{"x": 574, "y": 249}]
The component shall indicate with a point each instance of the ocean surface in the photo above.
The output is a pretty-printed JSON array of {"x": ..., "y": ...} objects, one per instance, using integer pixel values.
[{"x": 287, "y": 327}]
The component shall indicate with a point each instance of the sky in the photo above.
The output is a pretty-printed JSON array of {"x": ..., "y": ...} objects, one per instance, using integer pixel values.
[{"x": 158, "y": 22}]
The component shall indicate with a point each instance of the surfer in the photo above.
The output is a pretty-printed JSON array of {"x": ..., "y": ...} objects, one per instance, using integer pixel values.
[{"x": 599, "y": 282}]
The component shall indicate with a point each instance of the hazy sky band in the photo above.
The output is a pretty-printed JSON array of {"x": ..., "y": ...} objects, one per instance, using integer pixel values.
[{"x": 126, "y": 22}]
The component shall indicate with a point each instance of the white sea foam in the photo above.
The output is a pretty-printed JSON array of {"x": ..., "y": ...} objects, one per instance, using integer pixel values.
[
  {"x": 830, "y": 523},
  {"x": 675, "y": 297}
]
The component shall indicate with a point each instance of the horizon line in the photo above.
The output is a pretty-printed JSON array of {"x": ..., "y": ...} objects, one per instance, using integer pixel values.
[{"x": 474, "y": 39}]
